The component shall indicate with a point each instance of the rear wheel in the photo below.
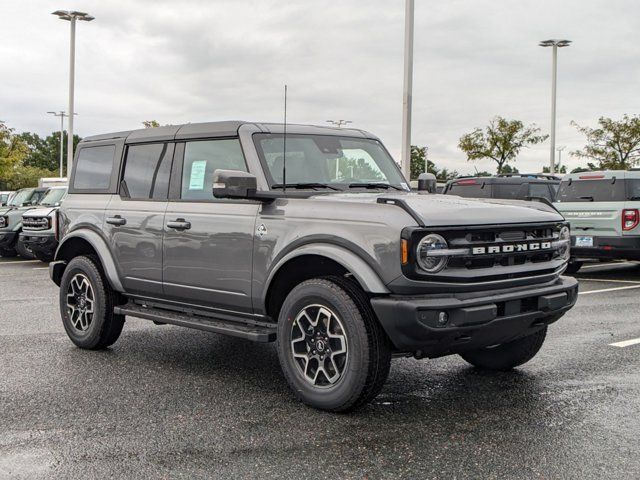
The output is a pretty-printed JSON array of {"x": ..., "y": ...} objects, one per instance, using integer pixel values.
[
  {"x": 334, "y": 354},
  {"x": 507, "y": 355},
  {"x": 86, "y": 305},
  {"x": 24, "y": 251}
]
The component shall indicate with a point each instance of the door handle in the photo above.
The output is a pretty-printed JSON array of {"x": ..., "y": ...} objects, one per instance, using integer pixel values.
[
  {"x": 179, "y": 224},
  {"x": 116, "y": 220}
]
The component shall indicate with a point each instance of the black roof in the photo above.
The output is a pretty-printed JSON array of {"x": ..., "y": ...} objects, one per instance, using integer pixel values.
[{"x": 216, "y": 129}]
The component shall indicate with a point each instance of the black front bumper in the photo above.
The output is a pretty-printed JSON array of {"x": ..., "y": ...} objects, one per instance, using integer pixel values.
[
  {"x": 8, "y": 239},
  {"x": 622, "y": 248},
  {"x": 46, "y": 244},
  {"x": 474, "y": 320}
]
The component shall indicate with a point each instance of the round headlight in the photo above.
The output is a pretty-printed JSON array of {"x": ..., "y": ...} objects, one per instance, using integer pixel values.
[
  {"x": 565, "y": 236},
  {"x": 429, "y": 253}
]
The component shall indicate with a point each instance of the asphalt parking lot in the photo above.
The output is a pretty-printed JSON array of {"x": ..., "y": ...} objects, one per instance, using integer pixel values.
[{"x": 166, "y": 402}]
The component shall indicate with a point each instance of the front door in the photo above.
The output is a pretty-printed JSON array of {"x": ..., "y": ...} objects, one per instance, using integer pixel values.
[
  {"x": 208, "y": 242},
  {"x": 134, "y": 219}
]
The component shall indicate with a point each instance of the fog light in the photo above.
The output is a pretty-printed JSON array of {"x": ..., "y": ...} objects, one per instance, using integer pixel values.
[{"x": 443, "y": 318}]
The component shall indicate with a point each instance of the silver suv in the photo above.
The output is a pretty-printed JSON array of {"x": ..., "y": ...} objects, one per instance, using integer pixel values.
[
  {"x": 311, "y": 239},
  {"x": 603, "y": 210}
]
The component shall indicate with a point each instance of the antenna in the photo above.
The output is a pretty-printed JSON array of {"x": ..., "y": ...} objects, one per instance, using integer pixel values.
[{"x": 284, "y": 146}]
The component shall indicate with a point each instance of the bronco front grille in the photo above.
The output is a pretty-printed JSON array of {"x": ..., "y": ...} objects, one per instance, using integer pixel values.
[
  {"x": 496, "y": 252},
  {"x": 35, "y": 223}
]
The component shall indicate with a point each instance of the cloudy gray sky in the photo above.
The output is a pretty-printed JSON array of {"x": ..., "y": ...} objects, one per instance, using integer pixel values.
[{"x": 190, "y": 61}]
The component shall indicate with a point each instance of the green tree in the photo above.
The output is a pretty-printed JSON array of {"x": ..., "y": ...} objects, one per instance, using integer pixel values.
[
  {"x": 45, "y": 152},
  {"x": 614, "y": 144},
  {"x": 558, "y": 169},
  {"x": 580, "y": 170},
  {"x": 419, "y": 157},
  {"x": 501, "y": 141},
  {"x": 14, "y": 174},
  {"x": 508, "y": 169},
  {"x": 151, "y": 123}
]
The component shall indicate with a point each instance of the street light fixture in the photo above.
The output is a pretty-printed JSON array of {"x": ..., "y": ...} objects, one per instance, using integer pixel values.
[
  {"x": 555, "y": 44},
  {"x": 339, "y": 123},
  {"x": 72, "y": 16}
]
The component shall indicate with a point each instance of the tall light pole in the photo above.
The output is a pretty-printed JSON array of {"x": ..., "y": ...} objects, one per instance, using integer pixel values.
[
  {"x": 339, "y": 123},
  {"x": 72, "y": 16},
  {"x": 560, "y": 149},
  {"x": 407, "y": 92},
  {"x": 61, "y": 114},
  {"x": 554, "y": 77}
]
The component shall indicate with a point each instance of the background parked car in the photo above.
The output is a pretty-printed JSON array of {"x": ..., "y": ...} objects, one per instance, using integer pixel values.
[
  {"x": 4, "y": 198},
  {"x": 603, "y": 210},
  {"x": 39, "y": 225},
  {"x": 11, "y": 221},
  {"x": 513, "y": 187}
]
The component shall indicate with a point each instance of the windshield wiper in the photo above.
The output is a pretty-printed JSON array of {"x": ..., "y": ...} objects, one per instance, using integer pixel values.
[
  {"x": 312, "y": 185},
  {"x": 587, "y": 197},
  {"x": 385, "y": 186},
  {"x": 634, "y": 198}
]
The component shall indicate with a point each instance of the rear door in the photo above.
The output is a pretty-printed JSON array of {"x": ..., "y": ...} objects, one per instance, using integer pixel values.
[
  {"x": 134, "y": 219},
  {"x": 208, "y": 242},
  {"x": 593, "y": 204}
]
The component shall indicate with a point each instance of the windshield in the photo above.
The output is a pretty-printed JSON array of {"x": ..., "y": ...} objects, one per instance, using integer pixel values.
[
  {"x": 21, "y": 197},
  {"x": 604, "y": 190},
  {"x": 53, "y": 196},
  {"x": 321, "y": 161}
]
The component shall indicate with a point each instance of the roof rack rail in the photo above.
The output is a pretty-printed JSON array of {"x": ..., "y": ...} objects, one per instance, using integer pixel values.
[{"x": 530, "y": 175}]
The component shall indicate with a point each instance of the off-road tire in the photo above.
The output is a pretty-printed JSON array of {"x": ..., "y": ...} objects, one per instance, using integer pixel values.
[
  {"x": 8, "y": 253},
  {"x": 105, "y": 326},
  {"x": 573, "y": 267},
  {"x": 507, "y": 355},
  {"x": 24, "y": 251},
  {"x": 368, "y": 348}
]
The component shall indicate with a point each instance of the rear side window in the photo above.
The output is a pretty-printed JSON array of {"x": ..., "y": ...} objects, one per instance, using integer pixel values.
[
  {"x": 604, "y": 190},
  {"x": 510, "y": 191},
  {"x": 146, "y": 171},
  {"x": 201, "y": 159},
  {"x": 540, "y": 190},
  {"x": 470, "y": 188},
  {"x": 93, "y": 167}
]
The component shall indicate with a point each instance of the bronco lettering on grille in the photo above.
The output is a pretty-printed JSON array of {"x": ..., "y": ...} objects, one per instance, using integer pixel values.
[{"x": 511, "y": 248}]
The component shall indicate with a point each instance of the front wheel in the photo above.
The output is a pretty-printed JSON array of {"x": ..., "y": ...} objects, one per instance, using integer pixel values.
[
  {"x": 334, "y": 354},
  {"x": 8, "y": 253},
  {"x": 507, "y": 355},
  {"x": 86, "y": 305},
  {"x": 24, "y": 251}
]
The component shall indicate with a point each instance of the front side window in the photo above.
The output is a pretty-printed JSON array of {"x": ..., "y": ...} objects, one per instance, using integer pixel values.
[
  {"x": 201, "y": 159},
  {"x": 93, "y": 167},
  {"x": 336, "y": 162},
  {"x": 146, "y": 171}
]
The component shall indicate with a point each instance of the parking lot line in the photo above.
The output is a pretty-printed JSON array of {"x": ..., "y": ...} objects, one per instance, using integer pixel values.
[
  {"x": 47, "y": 268},
  {"x": 606, "y": 280},
  {"x": 628, "y": 287},
  {"x": 13, "y": 262},
  {"x": 626, "y": 343},
  {"x": 606, "y": 265}
]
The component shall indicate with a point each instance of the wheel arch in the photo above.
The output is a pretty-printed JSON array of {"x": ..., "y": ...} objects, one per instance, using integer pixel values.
[
  {"x": 85, "y": 242},
  {"x": 314, "y": 260}
]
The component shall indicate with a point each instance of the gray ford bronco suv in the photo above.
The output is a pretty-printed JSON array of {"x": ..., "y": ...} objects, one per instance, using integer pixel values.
[{"x": 311, "y": 239}]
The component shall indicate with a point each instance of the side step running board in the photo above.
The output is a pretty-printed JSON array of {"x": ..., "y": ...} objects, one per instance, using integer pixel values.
[{"x": 256, "y": 333}]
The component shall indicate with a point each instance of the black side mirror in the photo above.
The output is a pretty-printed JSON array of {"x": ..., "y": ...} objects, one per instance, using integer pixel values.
[
  {"x": 427, "y": 183},
  {"x": 234, "y": 184}
]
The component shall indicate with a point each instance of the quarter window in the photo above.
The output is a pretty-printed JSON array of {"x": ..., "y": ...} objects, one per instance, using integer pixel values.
[
  {"x": 146, "y": 172},
  {"x": 93, "y": 167},
  {"x": 201, "y": 159}
]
